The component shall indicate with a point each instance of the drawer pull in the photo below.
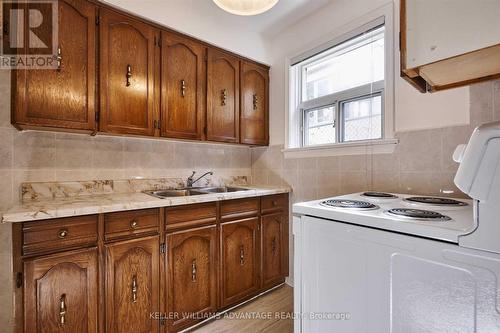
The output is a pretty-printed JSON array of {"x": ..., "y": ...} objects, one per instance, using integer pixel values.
[
  {"x": 62, "y": 309},
  {"x": 134, "y": 224},
  {"x": 275, "y": 203},
  {"x": 183, "y": 88},
  {"x": 223, "y": 97},
  {"x": 242, "y": 255},
  {"x": 128, "y": 76},
  {"x": 59, "y": 59},
  {"x": 134, "y": 289},
  {"x": 62, "y": 233},
  {"x": 255, "y": 100},
  {"x": 193, "y": 270}
]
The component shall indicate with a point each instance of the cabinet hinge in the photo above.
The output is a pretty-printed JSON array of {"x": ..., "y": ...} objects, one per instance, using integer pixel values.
[
  {"x": 97, "y": 20},
  {"x": 157, "y": 124},
  {"x": 162, "y": 321},
  {"x": 97, "y": 116},
  {"x": 163, "y": 248},
  {"x": 159, "y": 41},
  {"x": 19, "y": 280}
]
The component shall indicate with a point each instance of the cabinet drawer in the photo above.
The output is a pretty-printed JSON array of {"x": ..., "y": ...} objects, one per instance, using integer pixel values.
[
  {"x": 239, "y": 208},
  {"x": 188, "y": 216},
  {"x": 276, "y": 202},
  {"x": 59, "y": 234},
  {"x": 130, "y": 223}
]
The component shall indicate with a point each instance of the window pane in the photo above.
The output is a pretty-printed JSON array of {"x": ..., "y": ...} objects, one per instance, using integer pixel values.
[
  {"x": 354, "y": 63},
  {"x": 362, "y": 119},
  {"x": 319, "y": 126}
]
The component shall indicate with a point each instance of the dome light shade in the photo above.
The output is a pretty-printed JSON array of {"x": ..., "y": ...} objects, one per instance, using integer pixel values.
[{"x": 246, "y": 7}]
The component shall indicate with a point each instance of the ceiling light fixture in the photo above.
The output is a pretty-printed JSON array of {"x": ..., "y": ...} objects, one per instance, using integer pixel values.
[{"x": 246, "y": 7}]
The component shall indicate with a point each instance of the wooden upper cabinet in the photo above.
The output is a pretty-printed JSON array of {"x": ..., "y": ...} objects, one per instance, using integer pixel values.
[
  {"x": 64, "y": 97},
  {"x": 222, "y": 97},
  {"x": 240, "y": 265},
  {"x": 446, "y": 46},
  {"x": 191, "y": 275},
  {"x": 60, "y": 292},
  {"x": 254, "y": 128},
  {"x": 183, "y": 75},
  {"x": 128, "y": 65},
  {"x": 132, "y": 285}
]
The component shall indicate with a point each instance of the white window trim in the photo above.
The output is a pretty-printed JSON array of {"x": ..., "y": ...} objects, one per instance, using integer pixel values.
[{"x": 380, "y": 146}]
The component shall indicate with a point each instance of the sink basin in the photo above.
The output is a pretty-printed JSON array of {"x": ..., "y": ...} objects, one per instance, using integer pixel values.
[
  {"x": 222, "y": 189},
  {"x": 184, "y": 192},
  {"x": 174, "y": 193}
]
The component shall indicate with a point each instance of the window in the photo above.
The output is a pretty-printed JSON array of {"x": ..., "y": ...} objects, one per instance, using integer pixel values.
[{"x": 338, "y": 91}]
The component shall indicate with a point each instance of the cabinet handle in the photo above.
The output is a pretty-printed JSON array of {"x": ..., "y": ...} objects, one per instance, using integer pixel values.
[
  {"x": 255, "y": 101},
  {"x": 129, "y": 75},
  {"x": 62, "y": 309},
  {"x": 62, "y": 233},
  {"x": 183, "y": 88},
  {"x": 134, "y": 289},
  {"x": 273, "y": 245},
  {"x": 193, "y": 270},
  {"x": 59, "y": 59},
  {"x": 242, "y": 255},
  {"x": 134, "y": 224},
  {"x": 223, "y": 97}
]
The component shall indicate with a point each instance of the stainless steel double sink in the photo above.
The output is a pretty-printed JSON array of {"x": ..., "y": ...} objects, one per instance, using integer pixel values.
[{"x": 184, "y": 192}]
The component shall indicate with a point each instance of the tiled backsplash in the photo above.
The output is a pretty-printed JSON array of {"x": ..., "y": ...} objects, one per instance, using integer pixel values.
[{"x": 421, "y": 164}]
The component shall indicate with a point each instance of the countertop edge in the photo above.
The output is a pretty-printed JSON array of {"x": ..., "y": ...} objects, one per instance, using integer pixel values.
[{"x": 36, "y": 211}]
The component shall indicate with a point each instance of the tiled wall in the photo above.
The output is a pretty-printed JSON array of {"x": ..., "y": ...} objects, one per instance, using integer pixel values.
[{"x": 421, "y": 164}]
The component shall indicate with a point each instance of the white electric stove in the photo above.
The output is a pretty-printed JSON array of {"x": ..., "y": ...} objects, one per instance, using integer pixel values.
[{"x": 387, "y": 262}]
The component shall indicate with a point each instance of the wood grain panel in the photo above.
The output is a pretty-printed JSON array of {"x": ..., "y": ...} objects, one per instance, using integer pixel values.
[
  {"x": 63, "y": 98},
  {"x": 240, "y": 265},
  {"x": 131, "y": 223},
  {"x": 223, "y": 109},
  {"x": 132, "y": 264},
  {"x": 127, "y": 107},
  {"x": 183, "y": 91},
  {"x": 70, "y": 278},
  {"x": 254, "y": 122},
  {"x": 273, "y": 249},
  {"x": 59, "y": 234},
  {"x": 275, "y": 202},
  {"x": 191, "y": 276},
  {"x": 239, "y": 208},
  {"x": 190, "y": 216}
]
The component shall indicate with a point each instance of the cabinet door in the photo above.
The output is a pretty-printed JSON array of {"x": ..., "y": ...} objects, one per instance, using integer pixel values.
[
  {"x": 63, "y": 97},
  {"x": 240, "y": 265},
  {"x": 132, "y": 285},
  {"x": 273, "y": 249},
  {"x": 191, "y": 275},
  {"x": 128, "y": 69},
  {"x": 183, "y": 76},
  {"x": 222, "y": 97},
  {"x": 254, "y": 104},
  {"x": 60, "y": 292}
]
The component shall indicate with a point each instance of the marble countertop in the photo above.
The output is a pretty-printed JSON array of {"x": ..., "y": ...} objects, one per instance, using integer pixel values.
[{"x": 106, "y": 203}]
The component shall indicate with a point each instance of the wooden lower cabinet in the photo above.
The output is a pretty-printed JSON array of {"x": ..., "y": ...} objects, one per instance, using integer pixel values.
[
  {"x": 132, "y": 285},
  {"x": 273, "y": 249},
  {"x": 184, "y": 263},
  {"x": 191, "y": 281},
  {"x": 61, "y": 292},
  {"x": 240, "y": 276}
]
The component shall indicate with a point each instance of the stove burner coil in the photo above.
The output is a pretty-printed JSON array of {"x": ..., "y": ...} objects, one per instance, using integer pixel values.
[
  {"x": 350, "y": 204},
  {"x": 436, "y": 201},
  {"x": 381, "y": 195},
  {"x": 418, "y": 214}
]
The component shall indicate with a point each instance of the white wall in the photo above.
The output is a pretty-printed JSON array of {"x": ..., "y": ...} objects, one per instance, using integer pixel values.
[{"x": 413, "y": 110}]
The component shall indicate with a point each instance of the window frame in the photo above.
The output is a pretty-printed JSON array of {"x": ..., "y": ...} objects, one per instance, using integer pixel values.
[{"x": 294, "y": 117}]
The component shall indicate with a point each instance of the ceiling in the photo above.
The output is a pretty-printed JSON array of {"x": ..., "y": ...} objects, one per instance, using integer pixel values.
[{"x": 268, "y": 24}]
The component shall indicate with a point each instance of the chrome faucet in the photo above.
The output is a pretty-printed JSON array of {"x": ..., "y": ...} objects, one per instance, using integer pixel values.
[{"x": 190, "y": 181}]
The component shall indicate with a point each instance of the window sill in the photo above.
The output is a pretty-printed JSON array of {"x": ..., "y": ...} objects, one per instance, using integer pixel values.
[{"x": 383, "y": 146}]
